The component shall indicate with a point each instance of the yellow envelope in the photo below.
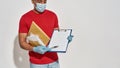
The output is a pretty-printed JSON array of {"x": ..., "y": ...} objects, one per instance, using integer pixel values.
[{"x": 36, "y": 30}]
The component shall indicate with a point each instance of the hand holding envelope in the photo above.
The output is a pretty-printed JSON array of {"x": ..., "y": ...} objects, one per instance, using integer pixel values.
[{"x": 41, "y": 48}]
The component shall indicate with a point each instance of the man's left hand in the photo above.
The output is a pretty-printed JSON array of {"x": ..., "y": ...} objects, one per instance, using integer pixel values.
[{"x": 69, "y": 38}]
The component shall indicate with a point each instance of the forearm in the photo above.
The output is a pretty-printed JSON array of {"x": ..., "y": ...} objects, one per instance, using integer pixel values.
[
  {"x": 23, "y": 43},
  {"x": 26, "y": 46}
]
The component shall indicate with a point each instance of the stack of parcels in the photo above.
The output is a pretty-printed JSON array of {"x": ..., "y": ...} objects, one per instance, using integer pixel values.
[{"x": 36, "y": 36}]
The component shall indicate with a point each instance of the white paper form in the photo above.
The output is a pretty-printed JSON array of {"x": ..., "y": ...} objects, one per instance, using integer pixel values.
[{"x": 59, "y": 39}]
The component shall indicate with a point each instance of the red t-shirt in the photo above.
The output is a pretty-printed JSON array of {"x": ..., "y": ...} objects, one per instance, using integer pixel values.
[{"x": 47, "y": 21}]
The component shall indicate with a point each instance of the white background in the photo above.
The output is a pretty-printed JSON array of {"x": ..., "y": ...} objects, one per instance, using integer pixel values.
[{"x": 96, "y": 30}]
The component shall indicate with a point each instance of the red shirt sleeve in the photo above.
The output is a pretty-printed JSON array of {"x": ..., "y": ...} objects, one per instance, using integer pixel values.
[
  {"x": 56, "y": 25},
  {"x": 23, "y": 26}
]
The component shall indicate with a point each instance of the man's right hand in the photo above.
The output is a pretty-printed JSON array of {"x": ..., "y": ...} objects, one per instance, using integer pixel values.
[{"x": 41, "y": 49}]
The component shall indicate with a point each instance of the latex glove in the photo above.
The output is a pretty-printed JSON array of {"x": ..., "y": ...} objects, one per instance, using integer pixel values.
[
  {"x": 69, "y": 38},
  {"x": 41, "y": 49}
]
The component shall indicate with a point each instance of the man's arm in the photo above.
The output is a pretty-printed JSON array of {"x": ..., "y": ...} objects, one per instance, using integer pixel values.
[{"x": 23, "y": 43}]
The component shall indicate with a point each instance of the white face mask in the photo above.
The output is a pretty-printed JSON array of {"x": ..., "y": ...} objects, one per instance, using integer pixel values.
[{"x": 40, "y": 7}]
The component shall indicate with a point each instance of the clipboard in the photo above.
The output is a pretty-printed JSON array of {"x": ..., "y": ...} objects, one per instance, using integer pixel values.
[{"x": 58, "y": 41}]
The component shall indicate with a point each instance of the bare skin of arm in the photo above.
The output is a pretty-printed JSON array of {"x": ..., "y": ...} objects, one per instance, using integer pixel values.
[{"x": 23, "y": 43}]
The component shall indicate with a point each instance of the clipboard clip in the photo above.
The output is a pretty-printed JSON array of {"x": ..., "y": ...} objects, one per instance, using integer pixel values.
[
  {"x": 62, "y": 30},
  {"x": 54, "y": 47}
]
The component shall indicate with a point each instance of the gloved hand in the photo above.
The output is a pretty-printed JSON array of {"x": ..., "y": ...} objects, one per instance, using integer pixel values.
[
  {"x": 69, "y": 38},
  {"x": 41, "y": 49}
]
